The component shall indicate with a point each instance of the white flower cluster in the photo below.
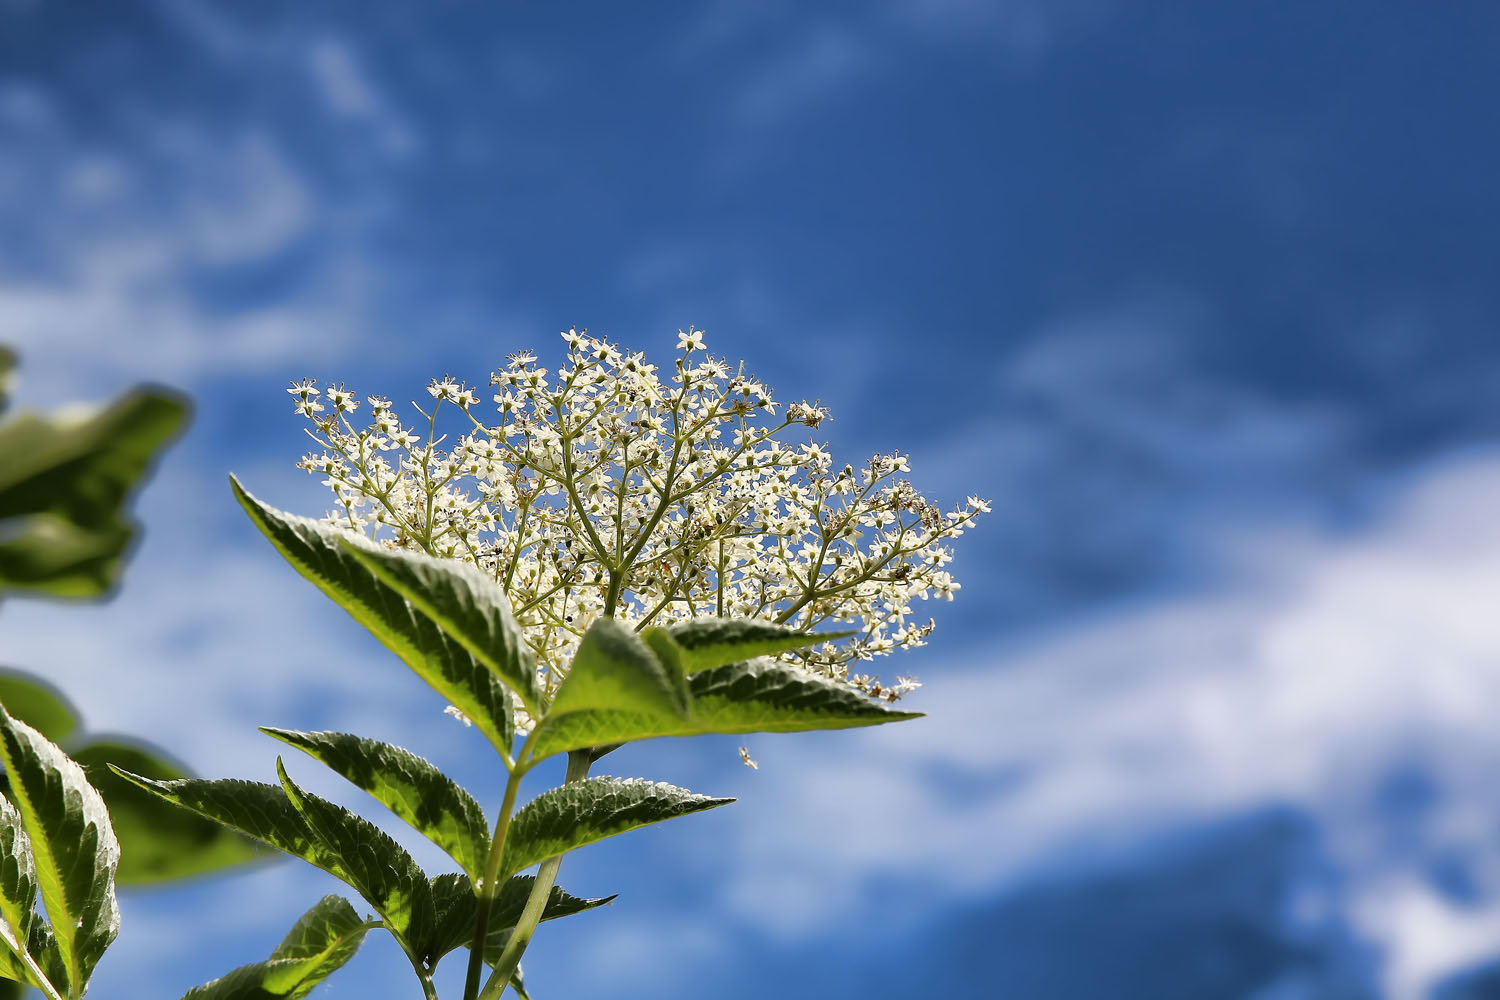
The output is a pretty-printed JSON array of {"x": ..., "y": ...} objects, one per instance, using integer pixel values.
[{"x": 601, "y": 488}]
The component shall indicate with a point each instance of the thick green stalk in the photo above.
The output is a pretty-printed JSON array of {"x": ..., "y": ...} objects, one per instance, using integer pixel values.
[
  {"x": 486, "y": 890},
  {"x": 541, "y": 891}
]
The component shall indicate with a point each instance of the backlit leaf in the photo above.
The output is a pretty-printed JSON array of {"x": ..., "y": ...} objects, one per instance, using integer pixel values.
[
  {"x": 716, "y": 642},
  {"x": 469, "y": 605},
  {"x": 750, "y": 697},
  {"x": 318, "y": 553},
  {"x": 72, "y": 844},
  {"x": 453, "y": 898},
  {"x": 583, "y": 812},
  {"x": 374, "y": 864},
  {"x": 409, "y": 786}
]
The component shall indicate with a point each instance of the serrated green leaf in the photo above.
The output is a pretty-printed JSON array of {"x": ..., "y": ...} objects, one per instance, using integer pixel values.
[
  {"x": 758, "y": 696},
  {"x": 73, "y": 846},
  {"x": 453, "y": 899},
  {"x": 316, "y": 551},
  {"x": 38, "y": 703},
  {"x": 374, "y": 864},
  {"x": 615, "y": 670},
  {"x": 17, "y": 877},
  {"x": 45, "y": 970},
  {"x": 248, "y": 982},
  {"x": 410, "y": 786},
  {"x": 158, "y": 841},
  {"x": 44, "y": 948},
  {"x": 717, "y": 642},
  {"x": 583, "y": 812},
  {"x": 470, "y": 606},
  {"x": 253, "y": 808},
  {"x": 319, "y": 944},
  {"x": 62, "y": 484},
  {"x": 325, "y": 937}
]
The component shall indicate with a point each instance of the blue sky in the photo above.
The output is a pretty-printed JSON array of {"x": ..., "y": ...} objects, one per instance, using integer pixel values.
[{"x": 1201, "y": 295}]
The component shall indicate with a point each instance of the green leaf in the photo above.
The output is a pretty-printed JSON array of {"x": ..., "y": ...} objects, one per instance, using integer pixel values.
[
  {"x": 469, "y": 605},
  {"x": 74, "y": 848},
  {"x": 48, "y": 954},
  {"x": 319, "y": 944},
  {"x": 63, "y": 482},
  {"x": 583, "y": 812},
  {"x": 253, "y": 808},
  {"x": 716, "y": 642},
  {"x": 158, "y": 841},
  {"x": 453, "y": 898},
  {"x": 7, "y": 375},
  {"x": 46, "y": 959},
  {"x": 38, "y": 704},
  {"x": 17, "y": 872},
  {"x": 317, "y": 552},
  {"x": 615, "y": 669},
  {"x": 17, "y": 878},
  {"x": 757, "y": 696},
  {"x": 48, "y": 554},
  {"x": 409, "y": 785},
  {"x": 373, "y": 863},
  {"x": 325, "y": 937}
]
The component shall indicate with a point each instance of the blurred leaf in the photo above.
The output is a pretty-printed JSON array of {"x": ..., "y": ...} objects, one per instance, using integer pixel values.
[
  {"x": 468, "y": 605},
  {"x": 73, "y": 845},
  {"x": 614, "y": 669},
  {"x": 453, "y": 899},
  {"x": 758, "y": 696},
  {"x": 255, "y": 809},
  {"x": 410, "y": 786},
  {"x": 158, "y": 841},
  {"x": 583, "y": 812},
  {"x": 374, "y": 864},
  {"x": 48, "y": 554},
  {"x": 62, "y": 484},
  {"x": 317, "y": 553},
  {"x": 38, "y": 704},
  {"x": 716, "y": 642},
  {"x": 7, "y": 375}
]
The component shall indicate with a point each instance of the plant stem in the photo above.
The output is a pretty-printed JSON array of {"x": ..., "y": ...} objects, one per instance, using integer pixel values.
[
  {"x": 429, "y": 991},
  {"x": 536, "y": 903},
  {"x": 486, "y": 890}
]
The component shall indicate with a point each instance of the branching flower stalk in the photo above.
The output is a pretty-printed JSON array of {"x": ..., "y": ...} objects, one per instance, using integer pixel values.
[
  {"x": 602, "y": 489},
  {"x": 663, "y": 554}
]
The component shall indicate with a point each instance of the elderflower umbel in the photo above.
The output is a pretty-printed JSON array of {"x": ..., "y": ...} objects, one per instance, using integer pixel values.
[{"x": 601, "y": 488}]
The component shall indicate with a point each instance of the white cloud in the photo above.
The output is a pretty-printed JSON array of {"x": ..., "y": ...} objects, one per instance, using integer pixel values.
[
  {"x": 103, "y": 288},
  {"x": 1305, "y": 682},
  {"x": 348, "y": 92},
  {"x": 818, "y": 68}
]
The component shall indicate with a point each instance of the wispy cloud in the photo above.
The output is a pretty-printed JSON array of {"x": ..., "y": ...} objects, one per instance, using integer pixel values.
[
  {"x": 349, "y": 92},
  {"x": 1327, "y": 665}
]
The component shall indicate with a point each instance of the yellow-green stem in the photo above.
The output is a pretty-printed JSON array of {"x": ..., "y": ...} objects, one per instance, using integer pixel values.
[
  {"x": 487, "y": 889},
  {"x": 536, "y": 903}
]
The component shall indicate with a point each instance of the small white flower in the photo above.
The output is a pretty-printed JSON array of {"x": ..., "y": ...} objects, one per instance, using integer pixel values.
[{"x": 690, "y": 341}]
